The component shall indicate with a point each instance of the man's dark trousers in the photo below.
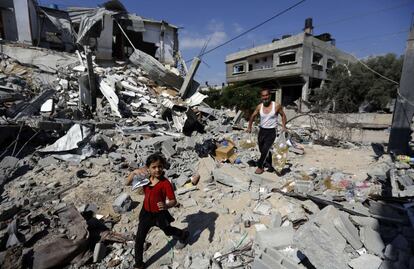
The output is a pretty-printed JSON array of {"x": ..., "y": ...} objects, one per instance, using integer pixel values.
[{"x": 266, "y": 139}]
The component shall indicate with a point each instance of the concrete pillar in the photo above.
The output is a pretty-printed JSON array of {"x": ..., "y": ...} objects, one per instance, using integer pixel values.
[
  {"x": 21, "y": 11},
  {"x": 305, "y": 88},
  {"x": 400, "y": 134},
  {"x": 189, "y": 77},
  {"x": 104, "y": 49},
  {"x": 278, "y": 97}
]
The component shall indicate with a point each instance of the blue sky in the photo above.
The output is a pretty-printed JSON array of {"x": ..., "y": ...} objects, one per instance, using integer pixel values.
[{"x": 362, "y": 28}]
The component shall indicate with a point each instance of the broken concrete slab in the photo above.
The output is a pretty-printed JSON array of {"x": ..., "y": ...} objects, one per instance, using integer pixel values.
[
  {"x": 76, "y": 134},
  {"x": 366, "y": 261},
  {"x": 279, "y": 237},
  {"x": 110, "y": 95},
  {"x": 372, "y": 241},
  {"x": 232, "y": 177},
  {"x": 320, "y": 241},
  {"x": 347, "y": 230},
  {"x": 45, "y": 60},
  {"x": 32, "y": 107},
  {"x": 155, "y": 69},
  {"x": 365, "y": 222}
]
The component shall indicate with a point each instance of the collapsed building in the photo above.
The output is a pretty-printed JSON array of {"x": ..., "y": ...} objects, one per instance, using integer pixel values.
[
  {"x": 73, "y": 127},
  {"x": 26, "y": 22},
  {"x": 293, "y": 67}
]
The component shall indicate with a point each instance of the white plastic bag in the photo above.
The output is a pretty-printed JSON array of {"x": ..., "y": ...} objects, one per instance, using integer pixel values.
[{"x": 280, "y": 152}]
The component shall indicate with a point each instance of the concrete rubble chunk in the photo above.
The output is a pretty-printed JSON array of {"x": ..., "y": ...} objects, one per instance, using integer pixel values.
[
  {"x": 391, "y": 252},
  {"x": 366, "y": 261},
  {"x": 232, "y": 177},
  {"x": 365, "y": 222},
  {"x": 276, "y": 220},
  {"x": 347, "y": 230},
  {"x": 310, "y": 206},
  {"x": 372, "y": 241},
  {"x": 275, "y": 237},
  {"x": 167, "y": 149},
  {"x": 122, "y": 204},
  {"x": 76, "y": 134},
  {"x": 319, "y": 240},
  {"x": 99, "y": 252}
]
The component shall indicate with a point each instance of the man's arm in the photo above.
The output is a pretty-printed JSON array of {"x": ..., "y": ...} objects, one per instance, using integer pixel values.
[
  {"x": 252, "y": 117},
  {"x": 283, "y": 115}
]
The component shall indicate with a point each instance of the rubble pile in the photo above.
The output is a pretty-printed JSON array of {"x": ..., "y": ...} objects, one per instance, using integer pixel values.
[{"x": 65, "y": 202}]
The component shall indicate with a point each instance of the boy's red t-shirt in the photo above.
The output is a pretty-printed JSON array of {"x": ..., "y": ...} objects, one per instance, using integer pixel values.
[{"x": 158, "y": 193}]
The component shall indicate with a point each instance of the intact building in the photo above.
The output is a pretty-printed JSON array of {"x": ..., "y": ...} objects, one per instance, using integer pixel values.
[{"x": 292, "y": 67}]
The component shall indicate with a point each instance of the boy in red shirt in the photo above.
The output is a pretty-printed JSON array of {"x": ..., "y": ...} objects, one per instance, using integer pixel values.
[{"x": 159, "y": 196}]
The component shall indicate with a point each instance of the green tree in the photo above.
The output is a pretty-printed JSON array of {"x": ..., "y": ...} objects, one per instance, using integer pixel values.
[
  {"x": 240, "y": 96},
  {"x": 351, "y": 85}
]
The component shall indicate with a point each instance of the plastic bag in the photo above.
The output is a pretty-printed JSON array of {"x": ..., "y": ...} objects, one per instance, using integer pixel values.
[
  {"x": 280, "y": 149},
  {"x": 247, "y": 142}
]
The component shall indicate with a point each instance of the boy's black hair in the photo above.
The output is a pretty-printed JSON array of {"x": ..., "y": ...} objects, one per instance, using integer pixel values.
[{"x": 156, "y": 157}]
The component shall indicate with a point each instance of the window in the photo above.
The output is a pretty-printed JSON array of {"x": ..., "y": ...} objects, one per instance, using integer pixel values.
[
  {"x": 256, "y": 61},
  {"x": 317, "y": 58},
  {"x": 238, "y": 68},
  {"x": 287, "y": 57},
  {"x": 330, "y": 64},
  {"x": 264, "y": 59},
  {"x": 250, "y": 67}
]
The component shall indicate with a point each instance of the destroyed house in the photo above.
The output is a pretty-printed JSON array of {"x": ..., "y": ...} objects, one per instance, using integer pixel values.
[
  {"x": 293, "y": 67},
  {"x": 112, "y": 32},
  {"x": 26, "y": 22}
]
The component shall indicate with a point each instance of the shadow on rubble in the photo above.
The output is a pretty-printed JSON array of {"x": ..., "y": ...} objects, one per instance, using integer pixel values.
[{"x": 199, "y": 222}]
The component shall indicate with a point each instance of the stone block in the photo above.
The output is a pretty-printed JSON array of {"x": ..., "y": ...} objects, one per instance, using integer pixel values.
[
  {"x": 372, "y": 241},
  {"x": 122, "y": 204}
]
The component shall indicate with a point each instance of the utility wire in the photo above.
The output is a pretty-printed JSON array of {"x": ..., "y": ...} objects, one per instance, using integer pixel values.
[
  {"x": 406, "y": 3},
  {"x": 372, "y": 36},
  {"x": 251, "y": 29},
  {"x": 365, "y": 14}
]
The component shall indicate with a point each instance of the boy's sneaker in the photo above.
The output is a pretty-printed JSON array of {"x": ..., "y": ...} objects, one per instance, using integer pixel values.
[{"x": 182, "y": 242}]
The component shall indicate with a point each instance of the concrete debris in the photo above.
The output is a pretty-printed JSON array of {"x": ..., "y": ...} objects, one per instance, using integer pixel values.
[
  {"x": 366, "y": 261},
  {"x": 122, "y": 204},
  {"x": 70, "y": 141},
  {"x": 74, "y": 127}
]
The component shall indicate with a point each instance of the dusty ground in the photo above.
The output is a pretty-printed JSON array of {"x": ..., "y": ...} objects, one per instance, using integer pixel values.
[{"x": 353, "y": 161}]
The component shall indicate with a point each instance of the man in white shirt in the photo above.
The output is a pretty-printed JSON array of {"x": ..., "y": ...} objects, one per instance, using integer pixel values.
[{"x": 268, "y": 111}]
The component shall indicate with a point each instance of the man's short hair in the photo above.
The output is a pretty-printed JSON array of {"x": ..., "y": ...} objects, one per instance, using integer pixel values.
[{"x": 264, "y": 89}]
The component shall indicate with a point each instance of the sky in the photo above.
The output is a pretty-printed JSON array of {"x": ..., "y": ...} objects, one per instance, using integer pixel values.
[{"x": 363, "y": 28}]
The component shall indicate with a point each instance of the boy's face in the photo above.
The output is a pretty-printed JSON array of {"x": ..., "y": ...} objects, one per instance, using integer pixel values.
[{"x": 156, "y": 168}]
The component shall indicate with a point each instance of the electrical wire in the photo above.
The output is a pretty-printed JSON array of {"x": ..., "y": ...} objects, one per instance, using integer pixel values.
[
  {"x": 406, "y": 3},
  {"x": 251, "y": 29}
]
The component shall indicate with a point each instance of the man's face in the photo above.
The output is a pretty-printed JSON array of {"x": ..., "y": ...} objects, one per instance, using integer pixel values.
[{"x": 265, "y": 96}]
